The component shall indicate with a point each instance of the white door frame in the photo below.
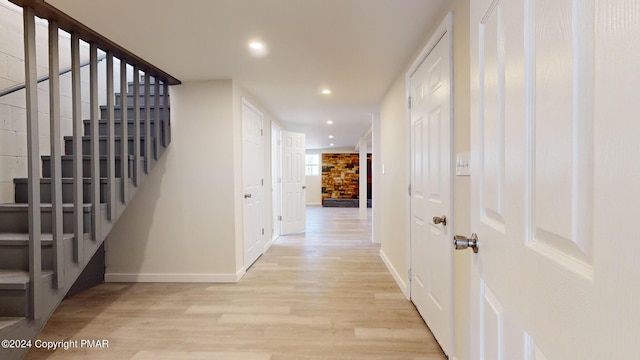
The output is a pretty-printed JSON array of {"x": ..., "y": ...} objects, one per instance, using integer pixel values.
[
  {"x": 446, "y": 26},
  {"x": 276, "y": 181}
]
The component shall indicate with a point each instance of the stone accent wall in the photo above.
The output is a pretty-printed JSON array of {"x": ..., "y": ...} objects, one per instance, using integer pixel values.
[{"x": 341, "y": 176}]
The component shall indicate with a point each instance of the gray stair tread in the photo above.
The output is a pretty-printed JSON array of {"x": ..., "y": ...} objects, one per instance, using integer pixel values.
[
  {"x": 84, "y": 157},
  {"x": 118, "y": 120},
  {"x": 18, "y": 280},
  {"x": 43, "y": 206},
  {"x": 64, "y": 180},
  {"x": 103, "y": 137},
  {"x": 6, "y": 322},
  {"x": 19, "y": 239}
]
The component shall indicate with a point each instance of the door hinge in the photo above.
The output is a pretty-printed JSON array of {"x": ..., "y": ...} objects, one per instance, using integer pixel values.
[
  {"x": 261, "y": 132},
  {"x": 262, "y": 231},
  {"x": 262, "y": 181},
  {"x": 409, "y": 273},
  {"x": 280, "y": 218},
  {"x": 409, "y": 189},
  {"x": 409, "y": 102}
]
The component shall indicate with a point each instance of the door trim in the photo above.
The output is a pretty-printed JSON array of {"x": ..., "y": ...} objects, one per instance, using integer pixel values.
[{"x": 446, "y": 26}]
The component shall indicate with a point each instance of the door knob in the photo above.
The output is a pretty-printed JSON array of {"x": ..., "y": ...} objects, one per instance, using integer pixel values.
[
  {"x": 304, "y": 187},
  {"x": 246, "y": 196},
  {"x": 440, "y": 220},
  {"x": 461, "y": 242}
]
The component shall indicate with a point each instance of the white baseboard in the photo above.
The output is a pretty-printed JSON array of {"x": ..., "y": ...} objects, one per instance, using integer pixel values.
[
  {"x": 399, "y": 279},
  {"x": 174, "y": 278},
  {"x": 314, "y": 203},
  {"x": 268, "y": 245}
]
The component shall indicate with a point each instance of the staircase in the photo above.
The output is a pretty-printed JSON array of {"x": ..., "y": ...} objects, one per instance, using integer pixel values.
[
  {"x": 63, "y": 212},
  {"x": 15, "y": 314}
]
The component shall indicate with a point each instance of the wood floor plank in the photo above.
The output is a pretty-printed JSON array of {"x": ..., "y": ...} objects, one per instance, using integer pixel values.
[{"x": 325, "y": 294}]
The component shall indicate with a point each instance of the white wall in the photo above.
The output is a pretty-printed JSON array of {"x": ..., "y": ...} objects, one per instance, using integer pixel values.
[
  {"x": 13, "y": 118},
  {"x": 185, "y": 223},
  {"x": 181, "y": 224},
  {"x": 394, "y": 158}
]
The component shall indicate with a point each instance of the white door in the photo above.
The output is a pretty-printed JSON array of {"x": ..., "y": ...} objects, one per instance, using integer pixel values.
[
  {"x": 555, "y": 179},
  {"x": 293, "y": 183},
  {"x": 276, "y": 182},
  {"x": 252, "y": 169},
  {"x": 431, "y": 192}
]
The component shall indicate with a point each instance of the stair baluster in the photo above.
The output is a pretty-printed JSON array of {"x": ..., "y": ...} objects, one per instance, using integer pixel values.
[
  {"x": 33, "y": 141},
  {"x": 96, "y": 214},
  {"x": 78, "y": 200},
  {"x": 124, "y": 135},
  {"x": 56, "y": 156},
  {"x": 111, "y": 150}
]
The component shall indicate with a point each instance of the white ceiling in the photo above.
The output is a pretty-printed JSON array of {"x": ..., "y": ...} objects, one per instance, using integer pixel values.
[{"x": 354, "y": 47}]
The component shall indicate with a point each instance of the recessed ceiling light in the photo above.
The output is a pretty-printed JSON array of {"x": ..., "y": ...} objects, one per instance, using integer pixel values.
[
  {"x": 330, "y": 136},
  {"x": 326, "y": 91},
  {"x": 331, "y": 144},
  {"x": 258, "y": 48},
  {"x": 329, "y": 122}
]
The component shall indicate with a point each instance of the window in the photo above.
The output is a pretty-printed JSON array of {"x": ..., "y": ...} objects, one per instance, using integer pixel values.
[{"x": 312, "y": 164}]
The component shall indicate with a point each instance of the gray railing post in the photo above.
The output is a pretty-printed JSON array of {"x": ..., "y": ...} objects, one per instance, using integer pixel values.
[
  {"x": 147, "y": 123},
  {"x": 111, "y": 151},
  {"x": 35, "y": 262},
  {"x": 124, "y": 143},
  {"x": 136, "y": 125},
  {"x": 167, "y": 109},
  {"x": 156, "y": 121},
  {"x": 95, "y": 141},
  {"x": 56, "y": 155},
  {"x": 78, "y": 201}
]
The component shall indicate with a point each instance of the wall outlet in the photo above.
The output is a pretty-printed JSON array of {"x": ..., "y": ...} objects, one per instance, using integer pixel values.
[{"x": 462, "y": 164}]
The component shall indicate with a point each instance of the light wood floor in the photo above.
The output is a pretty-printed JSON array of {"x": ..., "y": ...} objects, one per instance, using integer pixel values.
[{"x": 325, "y": 294}]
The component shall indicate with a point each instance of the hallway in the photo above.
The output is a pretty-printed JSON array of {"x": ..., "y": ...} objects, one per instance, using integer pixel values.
[{"x": 325, "y": 294}]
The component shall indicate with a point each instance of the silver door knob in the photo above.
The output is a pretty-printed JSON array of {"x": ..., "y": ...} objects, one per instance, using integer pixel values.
[
  {"x": 440, "y": 220},
  {"x": 304, "y": 187},
  {"x": 461, "y": 242},
  {"x": 246, "y": 196}
]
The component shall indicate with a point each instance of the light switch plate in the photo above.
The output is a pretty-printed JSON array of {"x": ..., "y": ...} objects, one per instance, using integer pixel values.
[{"x": 462, "y": 164}]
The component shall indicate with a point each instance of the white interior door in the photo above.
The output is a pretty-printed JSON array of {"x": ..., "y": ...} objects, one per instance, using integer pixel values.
[
  {"x": 293, "y": 183},
  {"x": 276, "y": 181},
  {"x": 252, "y": 175},
  {"x": 555, "y": 168},
  {"x": 431, "y": 192}
]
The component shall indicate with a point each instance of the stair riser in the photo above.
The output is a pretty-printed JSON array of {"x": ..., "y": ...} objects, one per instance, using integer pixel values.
[
  {"x": 17, "y": 257},
  {"x": 18, "y": 222},
  {"x": 131, "y": 97},
  {"x": 102, "y": 147},
  {"x": 152, "y": 88},
  {"x": 14, "y": 303},
  {"x": 117, "y": 114},
  {"x": 67, "y": 193},
  {"x": 102, "y": 128},
  {"x": 67, "y": 168}
]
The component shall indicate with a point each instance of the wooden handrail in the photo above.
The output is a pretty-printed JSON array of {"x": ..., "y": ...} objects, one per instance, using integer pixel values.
[{"x": 69, "y": 24}]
